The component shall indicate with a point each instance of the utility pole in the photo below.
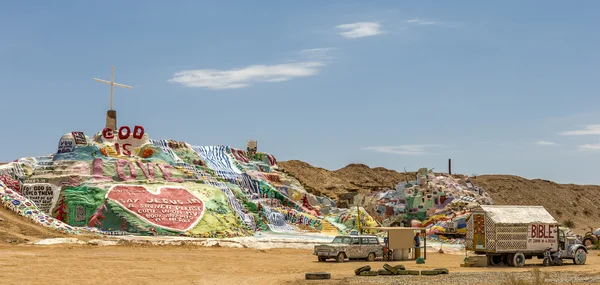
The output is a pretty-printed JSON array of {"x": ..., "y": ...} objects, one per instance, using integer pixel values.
[{"x": 450, "y": 166}]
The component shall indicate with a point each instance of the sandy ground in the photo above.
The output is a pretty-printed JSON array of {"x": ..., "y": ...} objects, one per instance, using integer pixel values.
[{"x": 85, "y": 264}]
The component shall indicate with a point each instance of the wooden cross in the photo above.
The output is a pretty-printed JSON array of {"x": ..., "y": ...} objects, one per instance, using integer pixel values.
[{"x": 112, "y": 85}]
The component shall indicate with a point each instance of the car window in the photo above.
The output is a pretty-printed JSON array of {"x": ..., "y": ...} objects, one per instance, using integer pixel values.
[
  {"x": 364, "y": 240},
  {"x": 355, "y": 241},
  {"x": 347, "y": 240},
  {"x": 373, "y": 240}
]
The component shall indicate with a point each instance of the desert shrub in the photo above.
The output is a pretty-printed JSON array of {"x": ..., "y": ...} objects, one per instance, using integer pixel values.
[
  {"x": 558, "y": 213},
  {"x": 569, "y": 223},
  {"x": 586, "y": 212}
]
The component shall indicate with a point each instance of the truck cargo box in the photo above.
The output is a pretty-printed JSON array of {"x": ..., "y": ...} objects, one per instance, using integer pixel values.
[{"x": 499, "y": 229}]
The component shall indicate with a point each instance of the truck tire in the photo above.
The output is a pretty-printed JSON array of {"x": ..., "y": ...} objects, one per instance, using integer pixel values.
[
  {"x": 579, "y": 257},
  {"x": 494, "y": 259},
  {"x": 317, "y": 276},
  {"x": 361, "y": 269},
  {"x": 340, "y": 257},
  {"x": 390, "y": 269},
  {"x": 518, "y": 259},
  {"x": 509, "y": 259},
  {"x": 588, "y": 242}
]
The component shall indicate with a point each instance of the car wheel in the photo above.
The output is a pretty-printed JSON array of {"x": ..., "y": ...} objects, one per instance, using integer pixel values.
[
  {"x": 371, "y": 257},
  {"x": 340, "y": 257},
  {"x": 588, "y": 242},
  {"x": 580, "y": 257}
]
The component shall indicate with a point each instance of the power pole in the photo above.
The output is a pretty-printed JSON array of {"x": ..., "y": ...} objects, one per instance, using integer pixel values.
[{"x": 450, "y": 166}]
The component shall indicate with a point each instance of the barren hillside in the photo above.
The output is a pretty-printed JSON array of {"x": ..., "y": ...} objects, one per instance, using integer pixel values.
[
  {"x": 578, "y": 203},
  {"x": 16, "y": 229}
]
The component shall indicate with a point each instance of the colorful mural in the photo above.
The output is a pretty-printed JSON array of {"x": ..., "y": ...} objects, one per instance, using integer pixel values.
[{"x": 121, "y": 181}]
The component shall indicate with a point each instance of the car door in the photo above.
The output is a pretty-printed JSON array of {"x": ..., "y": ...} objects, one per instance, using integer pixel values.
[
  {"x": 354, "y": 248},
  {"x": 375, "y": 246}
]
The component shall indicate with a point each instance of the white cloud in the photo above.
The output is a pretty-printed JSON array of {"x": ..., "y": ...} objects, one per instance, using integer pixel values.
[
  {"x": 401, "y": 149},
  {"x": 318, "y": 53},
  {"x": 360, "y": 29},
  {"x": 589, "y": 147},
  {"x": 245, "y": 76},
  {"x": 421, "y": 22},
  {"x": 587, "y": 130},
  {"x": 545, "y": 143}
]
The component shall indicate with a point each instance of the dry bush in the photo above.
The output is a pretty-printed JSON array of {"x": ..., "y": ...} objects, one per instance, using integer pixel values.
[
  {"x": 538, "y": 278},
  {"x": 569, "y": 223},
  {"x": 586, "y": 212}
]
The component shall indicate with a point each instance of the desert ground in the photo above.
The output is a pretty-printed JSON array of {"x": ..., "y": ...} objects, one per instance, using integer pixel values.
[{"x": 145, "y": 264}]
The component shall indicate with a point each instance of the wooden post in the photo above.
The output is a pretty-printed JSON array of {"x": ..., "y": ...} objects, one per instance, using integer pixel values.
[
  {"x": 449, "y": 166},
  {"x": 424, "y": 233}
]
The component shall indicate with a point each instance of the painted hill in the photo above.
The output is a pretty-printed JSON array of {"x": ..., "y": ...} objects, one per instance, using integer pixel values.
[
  {"x": 121, "y": 182},
  {"x": 577, "y": 203}
]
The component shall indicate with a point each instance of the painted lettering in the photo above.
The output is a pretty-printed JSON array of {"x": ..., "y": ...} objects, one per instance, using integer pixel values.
[
  {"x": 98, "y": 170},
  {"x": 121, "y": 174},
  {"x": 148, "y": 170},
  {"x": 124, "y": 136},
  {"x": 138, "y": 132},
  {"x": 167, "y": 174},
  {"x": 107, "y": 133}
]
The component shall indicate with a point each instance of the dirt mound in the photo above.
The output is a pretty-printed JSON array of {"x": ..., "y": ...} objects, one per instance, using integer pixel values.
[
  {"x": 352, "y": 178},
  {"x": 566, "y": 202},
  {"x": 577, "y": 203},
  {"x": 16, "y": 229}
]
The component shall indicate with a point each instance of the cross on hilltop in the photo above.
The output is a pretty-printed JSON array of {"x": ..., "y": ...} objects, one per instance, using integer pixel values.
[{"x": 111, "y": 115}]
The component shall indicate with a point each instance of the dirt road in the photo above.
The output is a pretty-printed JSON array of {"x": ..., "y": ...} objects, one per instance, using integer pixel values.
[{"x": 84, "y": 264}]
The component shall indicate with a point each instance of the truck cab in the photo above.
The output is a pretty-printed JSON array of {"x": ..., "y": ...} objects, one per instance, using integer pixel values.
[{"x": 570, "y": 248}]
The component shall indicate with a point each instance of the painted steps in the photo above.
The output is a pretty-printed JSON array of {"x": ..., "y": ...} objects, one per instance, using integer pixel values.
[{"x": 329, "y": 229}]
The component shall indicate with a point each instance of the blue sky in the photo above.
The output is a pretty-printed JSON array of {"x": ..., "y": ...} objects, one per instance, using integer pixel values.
[{"x": 505, "y": 87}]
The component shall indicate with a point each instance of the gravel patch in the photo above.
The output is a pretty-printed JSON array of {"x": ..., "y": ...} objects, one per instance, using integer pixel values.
[{"x": 478, "y": 278}]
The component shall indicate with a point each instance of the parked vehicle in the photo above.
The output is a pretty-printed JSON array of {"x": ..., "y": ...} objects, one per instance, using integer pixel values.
[
  {"x": 512, "y": 234},
  {"x": 590, "y": 238},
  {"x": 351, "y": 247}
]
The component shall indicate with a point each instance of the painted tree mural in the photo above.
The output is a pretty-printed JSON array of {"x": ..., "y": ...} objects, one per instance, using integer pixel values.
[{"x": 61, "y": 211}]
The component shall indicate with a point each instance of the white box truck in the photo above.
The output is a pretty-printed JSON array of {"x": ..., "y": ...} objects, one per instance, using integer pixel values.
[{"x": 512, "y": 234}]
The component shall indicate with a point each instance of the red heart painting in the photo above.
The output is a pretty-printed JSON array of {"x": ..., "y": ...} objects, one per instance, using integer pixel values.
[{"x": 172, "y": 208}]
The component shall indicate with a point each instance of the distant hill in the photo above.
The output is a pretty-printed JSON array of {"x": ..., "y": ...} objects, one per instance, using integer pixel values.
[{"x": 578, "y": 203}]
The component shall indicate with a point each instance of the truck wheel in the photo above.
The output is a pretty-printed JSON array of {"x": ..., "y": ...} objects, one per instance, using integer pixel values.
[
  {"x": 340, "y": 257},
  {"x": 588, "y": 242},
  {"x": 580, "y": 257},
  {"x": 322, "y": 259},
  {"x": 509, "y": 259},
  {"x": 518, "y": 259},
  {"x": 496, "y": 259},
  {"x": 371, "y": 257}
]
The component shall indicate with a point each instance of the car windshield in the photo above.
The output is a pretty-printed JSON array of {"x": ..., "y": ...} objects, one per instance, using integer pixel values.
[{"x": 345, "y": 240}]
